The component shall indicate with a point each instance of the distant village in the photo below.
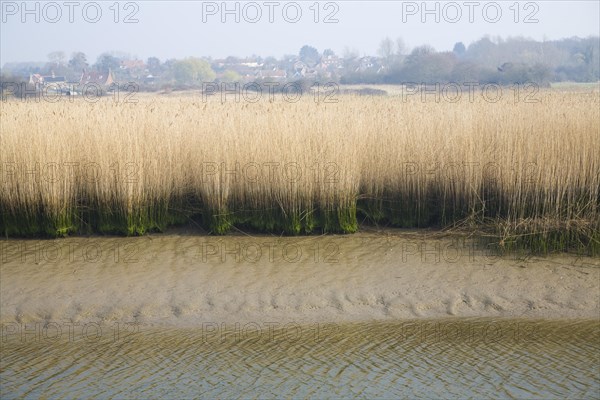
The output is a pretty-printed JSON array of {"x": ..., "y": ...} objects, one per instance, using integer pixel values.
[
  {"x": 152, "y": 75},
  {"x": 488, "y": 60}
]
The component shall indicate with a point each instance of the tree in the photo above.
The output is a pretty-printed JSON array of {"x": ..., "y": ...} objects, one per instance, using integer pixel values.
[
  {"x": 193, "y": 71},
  {"x": 328, "y": 52},
  {"x": 484, "y": 52},
  {"x": 386, "y": 50},
  {"x": 466, "y": 71},
  {"x": 588, "y": 59},
  {"x": 230, "y": 76},
  {"x": 349, "y": 53},
  {"x": 11, "y": 85},
  {"x": 153, "y": 65},
  {"x": 424, "y": 65},
  {"x": 106, "y": 61},
  {"x": 56, "y": 65},
  {"x": 400, "y": 47},
  {"x": 270, "y": 61},
  {"x": 424, "y": 50},
  {"x": 56, "y": 57},
  {"x": 459, "y": 49},
  {"x": 540, "y": 74},
  {"x": 78, "y": 61},
  {"x": 309, "y": 55}
]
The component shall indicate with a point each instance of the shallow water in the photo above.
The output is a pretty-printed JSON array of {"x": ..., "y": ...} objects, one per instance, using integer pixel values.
[{"x": 462, "y": 358}]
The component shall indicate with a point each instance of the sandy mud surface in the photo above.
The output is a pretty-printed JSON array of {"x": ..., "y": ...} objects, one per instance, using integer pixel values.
[{"x": 187, "y": 280}]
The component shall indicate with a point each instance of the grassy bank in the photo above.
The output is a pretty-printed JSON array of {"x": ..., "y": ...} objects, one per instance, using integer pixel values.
[{"x": 523, "y": 174}]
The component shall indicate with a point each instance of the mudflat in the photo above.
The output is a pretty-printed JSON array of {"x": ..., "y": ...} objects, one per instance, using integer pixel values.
[{"x": 184, "y": 280}]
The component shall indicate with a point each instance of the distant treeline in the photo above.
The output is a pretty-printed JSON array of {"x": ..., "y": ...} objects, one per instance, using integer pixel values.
[{"x": 498, "y": 61}]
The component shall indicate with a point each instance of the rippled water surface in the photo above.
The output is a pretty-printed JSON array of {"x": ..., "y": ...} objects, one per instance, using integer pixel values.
[{"x": 442, "y": 359}]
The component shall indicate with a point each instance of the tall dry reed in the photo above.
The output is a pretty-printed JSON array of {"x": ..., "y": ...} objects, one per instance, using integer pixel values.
[{"x": 518, "y": 171}]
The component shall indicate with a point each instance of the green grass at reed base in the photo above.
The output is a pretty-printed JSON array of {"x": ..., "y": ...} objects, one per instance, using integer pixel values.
[{"x": 490, "y": 225}]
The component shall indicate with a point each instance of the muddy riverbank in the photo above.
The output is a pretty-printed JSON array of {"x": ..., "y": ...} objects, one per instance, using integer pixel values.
[{"x": 185, "y": 280}]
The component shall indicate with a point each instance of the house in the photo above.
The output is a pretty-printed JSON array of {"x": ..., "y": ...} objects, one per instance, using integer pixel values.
[
  {"x": 218, "y": 64},
  {"x": 331, "y": 63},
  {"x": 365, "y": 64},
  {"x": 132, "y": 65},
  {"x": 96, "y": 78},
  {"x": 36, "y": 79},
  {"x": 135, "y": 69},
  {"x": 150, "y": 79},
  {"x": 55, "y": 80},
  {"x": 300, "y": 69},
  {"x": 251, "y": 64},
  {"x": 273, "y": 73}
]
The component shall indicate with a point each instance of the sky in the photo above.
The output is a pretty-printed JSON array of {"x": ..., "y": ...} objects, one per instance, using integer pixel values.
[{"x": 178, "y": 29}]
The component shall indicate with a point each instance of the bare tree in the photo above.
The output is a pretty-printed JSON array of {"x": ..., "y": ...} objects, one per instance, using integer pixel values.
[
  {"x": 400, "y": 47},
  {"x": 386, "y": 50},
  {"x": 56, "y": 57}
]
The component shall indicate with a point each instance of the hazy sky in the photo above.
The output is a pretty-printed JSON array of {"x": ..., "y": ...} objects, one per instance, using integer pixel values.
[{"x": 176, "y": 29}]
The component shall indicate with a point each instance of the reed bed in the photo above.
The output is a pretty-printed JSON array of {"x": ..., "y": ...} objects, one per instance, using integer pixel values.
[{"x": 524, "y": 175}]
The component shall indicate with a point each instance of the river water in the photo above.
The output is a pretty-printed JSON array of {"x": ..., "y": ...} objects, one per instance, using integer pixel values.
[{"x": 466, "y": 358}]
